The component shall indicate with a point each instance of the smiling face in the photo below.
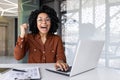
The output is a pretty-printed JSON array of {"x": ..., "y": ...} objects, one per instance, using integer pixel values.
[{"x": 43, "y": 23}]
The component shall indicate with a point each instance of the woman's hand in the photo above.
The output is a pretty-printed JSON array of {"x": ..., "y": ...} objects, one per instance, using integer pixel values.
[
  {"x": 62, "y": 65},
  {"x": 23, "y": 29}
]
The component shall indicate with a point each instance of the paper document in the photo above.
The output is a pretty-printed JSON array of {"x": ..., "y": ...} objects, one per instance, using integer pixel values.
[{"x": 22, "y": 74}]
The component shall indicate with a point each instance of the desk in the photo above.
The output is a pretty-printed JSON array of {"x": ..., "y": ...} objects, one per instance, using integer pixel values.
[{"x": 100, "y": 73}]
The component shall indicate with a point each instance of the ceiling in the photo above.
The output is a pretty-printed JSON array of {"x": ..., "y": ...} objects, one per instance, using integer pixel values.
[{"x": 9, "y": 8}]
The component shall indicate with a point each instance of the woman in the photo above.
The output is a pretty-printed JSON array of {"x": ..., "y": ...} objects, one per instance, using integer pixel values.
[{"x": 42, "y": 44}]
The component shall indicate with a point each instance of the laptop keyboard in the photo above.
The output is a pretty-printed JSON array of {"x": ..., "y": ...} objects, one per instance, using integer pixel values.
[{"x": 69, "y": 69}]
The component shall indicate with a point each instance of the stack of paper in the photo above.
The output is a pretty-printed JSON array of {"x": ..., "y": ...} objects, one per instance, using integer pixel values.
[{"x": 19, "y": 74}]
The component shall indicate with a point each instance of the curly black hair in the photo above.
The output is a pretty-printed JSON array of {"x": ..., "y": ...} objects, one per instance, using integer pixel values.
[{"x": 51, "y": 13}]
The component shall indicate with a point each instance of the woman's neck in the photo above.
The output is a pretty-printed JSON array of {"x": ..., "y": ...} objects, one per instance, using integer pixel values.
[{"x": 43, "y": 37}]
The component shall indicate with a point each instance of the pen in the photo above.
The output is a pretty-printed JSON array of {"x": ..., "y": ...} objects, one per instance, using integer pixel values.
[{"x": 19, "y": 70}]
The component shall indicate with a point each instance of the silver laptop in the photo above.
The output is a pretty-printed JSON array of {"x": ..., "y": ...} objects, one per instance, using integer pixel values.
[{"x": 86, "y": 57}]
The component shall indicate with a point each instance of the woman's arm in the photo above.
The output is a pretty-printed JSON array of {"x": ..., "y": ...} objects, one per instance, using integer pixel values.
[
  {"x": 61, "y": 58},
  {"x": 21, "y": 44},
  {"x": 20, "y": 48}
]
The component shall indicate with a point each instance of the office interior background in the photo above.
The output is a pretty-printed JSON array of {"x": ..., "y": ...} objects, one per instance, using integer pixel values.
[{"x": 80, "y": 19}]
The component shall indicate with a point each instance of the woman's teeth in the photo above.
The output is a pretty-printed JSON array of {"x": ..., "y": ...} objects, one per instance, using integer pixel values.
[{"x": 43, "y": 27}]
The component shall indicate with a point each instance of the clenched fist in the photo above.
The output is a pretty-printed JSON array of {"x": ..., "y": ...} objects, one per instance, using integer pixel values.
[{"x": 23, "y": 29}]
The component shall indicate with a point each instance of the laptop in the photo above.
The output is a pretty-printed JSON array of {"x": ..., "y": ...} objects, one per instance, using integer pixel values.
[{"x": 86, "y": 57}]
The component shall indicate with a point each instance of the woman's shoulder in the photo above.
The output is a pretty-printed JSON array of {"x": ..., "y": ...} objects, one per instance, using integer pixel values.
[{"x": 55, "y": 36}]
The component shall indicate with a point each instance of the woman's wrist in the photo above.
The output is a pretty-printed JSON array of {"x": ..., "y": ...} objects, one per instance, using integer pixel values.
[
  {"x": 60, "y": 61},
  {"x": 22, "y": 36}
]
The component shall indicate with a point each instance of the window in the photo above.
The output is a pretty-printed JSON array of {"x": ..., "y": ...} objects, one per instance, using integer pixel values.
[{"x": 96, "y": 20}]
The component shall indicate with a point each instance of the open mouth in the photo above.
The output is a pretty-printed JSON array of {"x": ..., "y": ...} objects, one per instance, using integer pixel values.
[{"x": 43, "y": 27}]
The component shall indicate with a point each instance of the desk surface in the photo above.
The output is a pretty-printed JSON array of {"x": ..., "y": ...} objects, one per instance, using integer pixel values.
[{"x": 100, "y": 73}]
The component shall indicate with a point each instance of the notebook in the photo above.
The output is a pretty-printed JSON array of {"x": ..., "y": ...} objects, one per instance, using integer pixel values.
[{"x": 86, "y": 57}]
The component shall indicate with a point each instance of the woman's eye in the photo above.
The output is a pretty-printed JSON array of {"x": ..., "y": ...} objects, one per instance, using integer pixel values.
[
  {"x": 39, "y": 19},
  {"x": 48, "y": 19}
]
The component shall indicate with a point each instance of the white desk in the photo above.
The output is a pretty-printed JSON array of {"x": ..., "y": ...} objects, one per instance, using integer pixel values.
[{"x": 100, "y": 73}]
